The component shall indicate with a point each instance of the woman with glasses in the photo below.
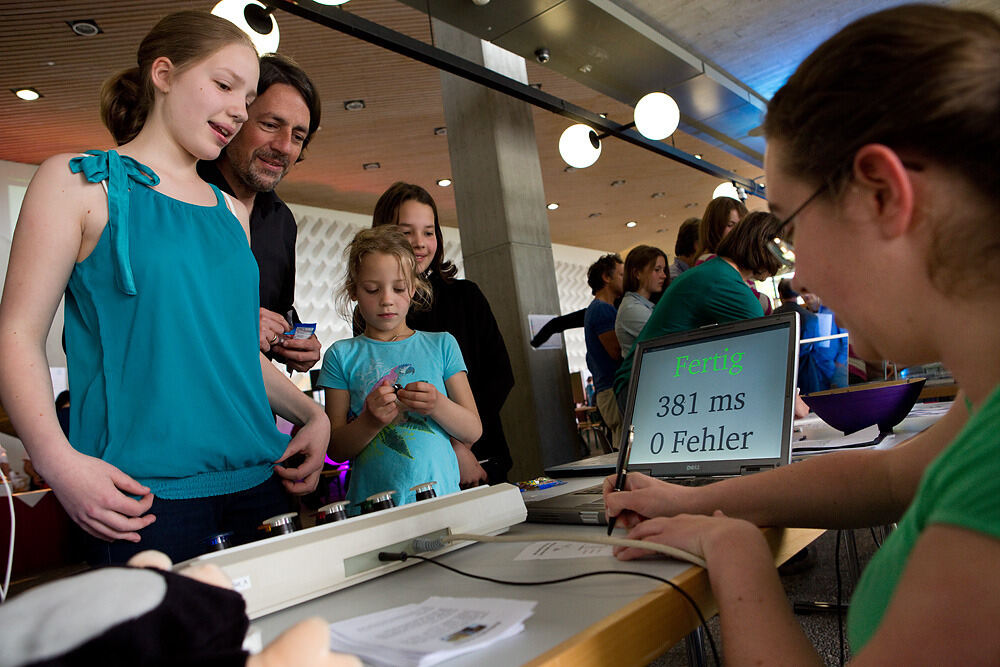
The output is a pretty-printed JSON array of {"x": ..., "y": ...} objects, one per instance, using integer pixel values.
[{"x": 882, "y": 156}]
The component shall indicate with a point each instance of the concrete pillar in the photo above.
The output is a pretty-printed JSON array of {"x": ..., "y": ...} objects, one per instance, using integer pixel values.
[{"x": 506, "y": 245}]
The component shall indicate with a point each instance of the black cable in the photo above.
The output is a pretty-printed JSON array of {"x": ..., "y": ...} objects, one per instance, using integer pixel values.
[
  {"x": 402, "y": 556},
  {"x": 878, "y": 543},
  {"x": 840, "y": 608}
]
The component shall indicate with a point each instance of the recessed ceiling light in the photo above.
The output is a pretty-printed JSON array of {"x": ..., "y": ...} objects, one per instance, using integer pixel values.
[
  {"x": 585, "y": 69},
  {"x": 85, "y": 27},
  {"x": 354, "y": 105},
  {"x": 444, "y": 182},
  {"x": 617, "y": 182},
  {"x": 697, "y": 156},
  {"x": 26, "y": 94},
  {"x": 603, "y": 115},
  {"x": 440, "y": 131},
  {"x": 553, "y": 206},
  {"x": 658, "y": 195},
  {"x": 594, "y": 215},
  {"x": 631, "y": 223},
  {"x": 690, "y": 204},
  {"x": 569, "y": 169},
  {"x": 371, "y": 166}
]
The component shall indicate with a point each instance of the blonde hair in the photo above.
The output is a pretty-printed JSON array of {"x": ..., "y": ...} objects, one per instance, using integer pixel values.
[
  {"x": 387, "y": 240},
  {"x": 185, "y": 38}
]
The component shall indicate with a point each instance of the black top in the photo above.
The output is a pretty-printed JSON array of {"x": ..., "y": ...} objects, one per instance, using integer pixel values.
[
  {"x": 272, "y": 240},
  {"x": 805, "y": 315},
  {"x": 461, "y": 309}
]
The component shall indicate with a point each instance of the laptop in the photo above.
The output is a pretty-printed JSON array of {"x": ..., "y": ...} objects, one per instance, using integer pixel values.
[{"x": 703, "y": 405}]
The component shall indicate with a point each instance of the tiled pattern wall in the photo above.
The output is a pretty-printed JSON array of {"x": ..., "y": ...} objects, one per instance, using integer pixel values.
[{"x": 324, "y": 234}]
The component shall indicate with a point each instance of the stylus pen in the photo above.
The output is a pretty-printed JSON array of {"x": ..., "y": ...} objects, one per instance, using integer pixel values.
[{"x": 622, "y": 473}]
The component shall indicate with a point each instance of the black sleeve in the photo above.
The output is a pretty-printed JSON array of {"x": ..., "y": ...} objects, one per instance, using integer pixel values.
[
  {"x": 559, "y": 324},
  {"x": 272, "y": 240},
  {"x": 490, "y": 374}
]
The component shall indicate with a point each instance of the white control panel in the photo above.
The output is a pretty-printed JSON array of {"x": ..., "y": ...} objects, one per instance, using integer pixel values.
[{"x": 285, "y": 570}]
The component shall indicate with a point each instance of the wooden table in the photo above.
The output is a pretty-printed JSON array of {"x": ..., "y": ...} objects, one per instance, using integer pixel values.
[
  {"x": 648, "y": 627},
  {"x": 937, "y": 391}
]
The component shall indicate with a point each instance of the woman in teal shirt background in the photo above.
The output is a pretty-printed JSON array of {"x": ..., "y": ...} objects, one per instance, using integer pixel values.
[{"x": 714, "y": 291}]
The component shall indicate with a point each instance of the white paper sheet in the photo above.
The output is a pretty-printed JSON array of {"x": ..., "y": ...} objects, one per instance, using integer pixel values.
[
  {"x": 557, "y": 550},
  {"x": 420, "y": 635}
]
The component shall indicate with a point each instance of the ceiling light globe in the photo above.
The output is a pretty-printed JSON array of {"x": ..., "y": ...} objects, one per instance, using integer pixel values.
[
  {"x": 577, "y": 147},
  {"x": 233, "y": 11},
  {"x": 657, "y": 116},
  {"x": 726, "y": 189},
  {"x": 28, "y": 94}
]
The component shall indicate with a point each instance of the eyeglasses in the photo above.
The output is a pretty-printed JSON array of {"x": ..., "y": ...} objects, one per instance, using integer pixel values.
[{"x": 782, "y": 245}]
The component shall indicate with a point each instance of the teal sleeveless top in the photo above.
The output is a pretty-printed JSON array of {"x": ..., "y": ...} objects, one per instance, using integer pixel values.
[{"x": 161, "y": 324}]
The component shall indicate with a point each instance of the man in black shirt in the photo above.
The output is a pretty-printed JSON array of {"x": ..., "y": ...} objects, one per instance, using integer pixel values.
[{"x": 281, "y": 122}]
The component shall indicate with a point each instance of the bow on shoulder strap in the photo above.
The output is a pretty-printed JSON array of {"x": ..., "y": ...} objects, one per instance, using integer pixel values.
[{"x": 117, "y": 170}]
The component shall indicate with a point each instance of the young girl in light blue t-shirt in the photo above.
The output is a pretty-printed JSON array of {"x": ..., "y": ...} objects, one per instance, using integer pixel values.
[{"x": 395, "y": 396}]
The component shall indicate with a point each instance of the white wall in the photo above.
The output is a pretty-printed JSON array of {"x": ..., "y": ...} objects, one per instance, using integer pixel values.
[{"x": 323, "y": 236}]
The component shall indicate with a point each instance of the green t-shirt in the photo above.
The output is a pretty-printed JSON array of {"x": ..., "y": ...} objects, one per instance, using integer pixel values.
[
  {"x": 960, "y": 487},
  {"x": 710, "y": 293}
]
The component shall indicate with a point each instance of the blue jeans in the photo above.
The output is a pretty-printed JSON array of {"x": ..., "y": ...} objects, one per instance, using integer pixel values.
[{"x": 183, "y": 527}]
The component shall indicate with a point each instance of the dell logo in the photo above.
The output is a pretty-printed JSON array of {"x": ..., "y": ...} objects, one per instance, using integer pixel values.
[{"x": 694, "y": 466}]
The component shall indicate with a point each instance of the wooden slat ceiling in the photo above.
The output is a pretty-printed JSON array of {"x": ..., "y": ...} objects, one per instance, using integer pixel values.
[{"x": 396, "y": 129}]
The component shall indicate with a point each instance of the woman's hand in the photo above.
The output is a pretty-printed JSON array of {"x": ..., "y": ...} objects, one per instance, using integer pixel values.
[
  {"x": 96, "y": 494},
  {"x": 420, "y": 397},
  {"x": 643, "y": 498},
  {"x": 380, "y": 403},
  {"x": 696, "y": 534},
  {"x": 311, "y": 442}
]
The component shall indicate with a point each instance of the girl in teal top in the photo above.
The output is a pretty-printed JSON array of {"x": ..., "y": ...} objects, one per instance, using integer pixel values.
[
  {"x": 170, "y": 397},
  {"x": 882, "y": 160},
  {"x": 395, "y": 396}
]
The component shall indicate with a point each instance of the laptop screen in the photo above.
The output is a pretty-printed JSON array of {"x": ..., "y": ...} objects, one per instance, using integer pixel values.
[{"x": 714, "y": 401}]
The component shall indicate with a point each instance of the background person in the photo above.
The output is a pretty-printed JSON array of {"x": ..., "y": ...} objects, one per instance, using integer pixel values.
[
  {"x": 281, "y": 121},
  {"x": 604, "y": 352},
  {"x": 645, "y": 278},
  {"x": 829, "y": 367},
  {"x": 719, "y": 218},
  {"x": 810, "y": 377},
  {"x": 881, "y": 152},
  {"x": 460, "y": 308},
  {"x": 167, "y": 425},
  {"x": 685, "y": 247}
]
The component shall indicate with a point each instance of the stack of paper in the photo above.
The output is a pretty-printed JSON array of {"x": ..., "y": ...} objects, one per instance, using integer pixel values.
[{"x": 430, "y": 632}]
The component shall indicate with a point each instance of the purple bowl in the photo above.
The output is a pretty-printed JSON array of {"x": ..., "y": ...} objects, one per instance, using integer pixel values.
[{"x": 853, "y": 408}]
